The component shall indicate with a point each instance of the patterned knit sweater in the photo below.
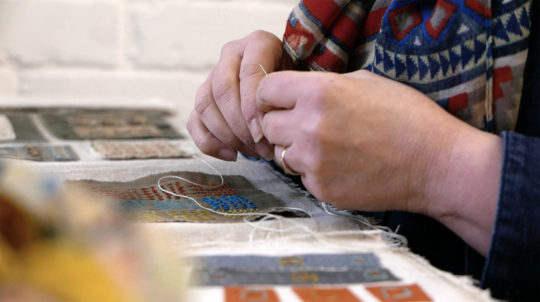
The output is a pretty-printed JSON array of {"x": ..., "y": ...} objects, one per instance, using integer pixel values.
[{"x": 466, "y": 55}]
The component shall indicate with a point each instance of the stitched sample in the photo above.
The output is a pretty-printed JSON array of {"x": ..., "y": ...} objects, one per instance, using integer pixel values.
[
  {"x": 404, "y": 293},
  {"x": 143, "y": 200},
  {"x": 40, "y": 153},
  {"x": 6, "y": 130},
  {"x": 24, "y": 127},
  {"x": 138, "y": 150},
  {"x": 297, "y": 270},
  {"x": 95, "y": 124},
  {"x": 250, "y": 294},
  {"x": 321, "y": 294}
]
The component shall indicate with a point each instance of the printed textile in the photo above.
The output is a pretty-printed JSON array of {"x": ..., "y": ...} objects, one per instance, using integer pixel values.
[
  {"x": 144, "y": 200},
  {"x": 297, "y": 269},
  {"x": 138, "y": 150},
  {"x": 39, "y": 153},
  {"x": 110, "y": 124},
  {"x": 468, "y": 56}
]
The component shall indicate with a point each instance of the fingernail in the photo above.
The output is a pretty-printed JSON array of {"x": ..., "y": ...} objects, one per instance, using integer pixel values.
[
  {"x": 227, "y": 154},
  {"x": 255, "y": 130},
  {"x": 265, "y": 151}
]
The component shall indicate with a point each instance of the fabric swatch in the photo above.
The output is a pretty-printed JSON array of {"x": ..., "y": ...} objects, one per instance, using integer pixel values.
[
  {"x": 115, "y": 124},
  {"x": 250, "y": 294},
  {"x": 265, "y": 270},
  {"x": 24, "y": 128},
  {"x": 138, "y": 150},
  {"x": 6, "y": 130},
  {"x": 143, "y": 200},
  {"x": 292, "y": 263},
  {"x": 325, "y": 294},
  {"x": 39, "y": 153},
  {"x": 403, "y": 293}
]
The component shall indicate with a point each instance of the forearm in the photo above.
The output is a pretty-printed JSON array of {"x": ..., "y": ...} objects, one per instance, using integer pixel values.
[{"x": 463, "y": 186}]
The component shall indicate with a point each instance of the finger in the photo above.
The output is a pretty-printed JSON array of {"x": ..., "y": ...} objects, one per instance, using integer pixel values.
[
  {"x": 226, "y": 91},
  {"x": 260, "y": 57},
  {"x": 290, "y": 158},
  {"x": 213, "y": 120},
  {"x": 281, "y": 90},
  {"x": 277, "y": 127},
  {"x": 206, "y": 141}
]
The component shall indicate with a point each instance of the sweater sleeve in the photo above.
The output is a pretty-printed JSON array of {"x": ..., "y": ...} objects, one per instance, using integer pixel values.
[{"x": 513, "y": 262}]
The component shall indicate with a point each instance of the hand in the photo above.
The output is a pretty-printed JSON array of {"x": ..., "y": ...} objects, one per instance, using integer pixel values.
[
  {"x": 365, "y": 142},
  {"x": 226, "y": 119},
  {"x": 362, "y": 141}
]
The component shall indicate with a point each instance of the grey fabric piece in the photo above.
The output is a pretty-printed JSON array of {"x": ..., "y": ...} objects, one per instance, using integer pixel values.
[
  {"x": 143, "y": 199},
  {"x": 260, "y": 175},
  {"x": 312, "y": 262},
  {"x": 24, "y": 127},
  {"x": 222, "y": 277},
  {"x": 296, "y": 269},
  {"x": 110, "y": 124},
  {"x": 39, "y": 153}
]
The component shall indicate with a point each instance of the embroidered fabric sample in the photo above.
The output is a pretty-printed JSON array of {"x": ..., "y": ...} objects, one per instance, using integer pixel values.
[
  {"x": 94, "y": 124},
  {"x": 39, "y": 153},
  {"x": 297, "y": 270},
  {"x": 404, "y": 293},
  {"x": 24, "y": 128},
  {"x": 321, "y": 294},
  {"x": 6, "y": 130},
  {"x": 143, "y": 200},
  {"x": 250, "y": 294},
  {"x": 138, "y": 150}
]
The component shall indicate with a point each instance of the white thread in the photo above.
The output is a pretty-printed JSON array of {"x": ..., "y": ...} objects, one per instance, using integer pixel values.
[
  {"x": 392, "y": 238},
  {"x": 262, "y": 68}
]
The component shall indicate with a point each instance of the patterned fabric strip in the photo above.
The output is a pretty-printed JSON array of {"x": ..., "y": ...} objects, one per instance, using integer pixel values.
[
  {"x": 285, "y": 270},
  {"x": 144, "y": 201},
  {"x": 39, "y": 153}
]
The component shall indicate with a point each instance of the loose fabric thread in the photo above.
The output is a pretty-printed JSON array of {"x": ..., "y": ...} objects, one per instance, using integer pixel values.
[{"x": 390, "y": 238}]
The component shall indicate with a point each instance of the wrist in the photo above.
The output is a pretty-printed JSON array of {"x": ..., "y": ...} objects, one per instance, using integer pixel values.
[{"x": 463, "y": 186}]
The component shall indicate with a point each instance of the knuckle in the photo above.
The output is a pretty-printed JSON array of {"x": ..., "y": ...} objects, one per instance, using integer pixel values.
[
  {"x": 206, "y": 145},
  {"x": 250, "y": 70},
  {"x": 260, "y": 34},
  {"x": 203, "y": 100},
  {"x": 228, "y": 47},
  {"x": 223, "y": 87}
]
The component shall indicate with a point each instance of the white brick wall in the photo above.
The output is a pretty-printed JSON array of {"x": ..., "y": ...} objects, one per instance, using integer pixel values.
[{"x": 122, "y": 48}]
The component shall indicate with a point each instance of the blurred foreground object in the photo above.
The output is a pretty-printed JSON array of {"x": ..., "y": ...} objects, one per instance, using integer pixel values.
[{"x": 60, "y": 242}]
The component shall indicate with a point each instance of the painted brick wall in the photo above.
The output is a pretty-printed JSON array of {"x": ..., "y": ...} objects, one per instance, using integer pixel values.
[{"x": 122, "y": 48}]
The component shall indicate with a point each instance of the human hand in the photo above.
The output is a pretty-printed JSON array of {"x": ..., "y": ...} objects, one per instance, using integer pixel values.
[
  {"x": 226, "y": 119},
  {"x": 361, "y": 141}
]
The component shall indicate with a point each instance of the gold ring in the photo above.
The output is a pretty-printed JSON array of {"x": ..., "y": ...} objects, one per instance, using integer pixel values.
[{"x": 285, "y": 166}]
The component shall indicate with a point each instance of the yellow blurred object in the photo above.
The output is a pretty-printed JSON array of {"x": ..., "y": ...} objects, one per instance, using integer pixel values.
[{"x": 65, "y": 243}]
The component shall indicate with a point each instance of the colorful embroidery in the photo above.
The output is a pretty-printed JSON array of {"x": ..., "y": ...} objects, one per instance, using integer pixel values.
[
  {"x": 250, "y": 294},
  {"x": 40, "y": 153},
  {"x": 321, "y": 294},
  {"x": 138, "y": 150},
  {"x": 109, "y": 125},
  {"x": 143, "y": 200},
  {"x": 6, "y": 129},
  {"x": 404, "y": 293},
  {"x": 297, "y": 270}
]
